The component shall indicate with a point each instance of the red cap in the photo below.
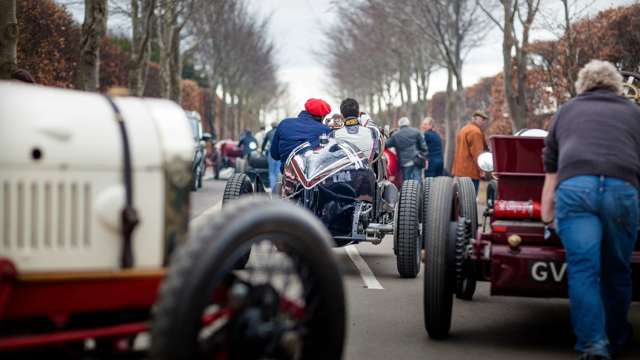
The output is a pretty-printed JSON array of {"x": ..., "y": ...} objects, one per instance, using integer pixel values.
[{"x": 317, "y": 107}]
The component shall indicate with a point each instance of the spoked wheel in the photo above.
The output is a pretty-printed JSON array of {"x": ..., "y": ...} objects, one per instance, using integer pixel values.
[
  {"x": 408, "y": 242},
  {"x": 238, "y": 185},
  {"x": 288, "y": 304},
  {"x": 465, "y": 200}
]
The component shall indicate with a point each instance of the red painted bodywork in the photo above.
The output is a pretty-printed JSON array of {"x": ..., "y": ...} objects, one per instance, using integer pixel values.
[
  {"x": 59, "y": 299},
  {"x": 520, "y": 176}
]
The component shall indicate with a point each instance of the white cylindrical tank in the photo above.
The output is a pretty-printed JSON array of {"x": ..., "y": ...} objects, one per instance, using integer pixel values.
[{"x": 61, "y": 177}]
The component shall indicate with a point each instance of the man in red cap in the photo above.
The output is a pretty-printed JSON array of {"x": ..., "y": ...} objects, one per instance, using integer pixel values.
[{"x": 294, "y": 131}]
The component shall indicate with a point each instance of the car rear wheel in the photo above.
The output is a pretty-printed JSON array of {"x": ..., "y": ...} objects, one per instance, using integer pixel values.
[
  {"x": 465, "y": 197},
  {"x": 237, "y": 186},
  {"x": 288, "y": 305},
  {"x": 438, "y": 279},
  {"x": 241, "y": 165},
  {"x": 408, "y": 240},
  {"x": 426, "y": 195}
]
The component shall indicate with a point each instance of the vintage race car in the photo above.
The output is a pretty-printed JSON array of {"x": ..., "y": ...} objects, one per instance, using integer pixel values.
[
  {"x": 96, "y": 246},
  {"x": 352, "y": 196},
  {"x": 512, "y": 250}
]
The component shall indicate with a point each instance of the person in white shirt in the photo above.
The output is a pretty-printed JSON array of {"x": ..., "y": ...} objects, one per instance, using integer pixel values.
[{"x": 363, "y": 137}]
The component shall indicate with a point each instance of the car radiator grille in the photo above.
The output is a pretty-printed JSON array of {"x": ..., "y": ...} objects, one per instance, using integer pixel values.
[{"x": 40, "y": 215}]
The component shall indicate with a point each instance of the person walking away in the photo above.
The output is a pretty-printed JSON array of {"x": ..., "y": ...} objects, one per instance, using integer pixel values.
[
  {"x": 260, "y": 136},
  {"x": 362, "y": 137},
  {"x": 435, "y": 164},
  {"x": 592, "y": 166},
  {"x": 274, "y": 165},
  {"x": 306, "y": 127},
  {"x": 411, "y": 149},
  {"x": 470, "y": 144}
]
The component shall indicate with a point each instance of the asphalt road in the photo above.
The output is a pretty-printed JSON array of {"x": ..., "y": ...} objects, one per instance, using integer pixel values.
[{"x": 385, "y": 320}]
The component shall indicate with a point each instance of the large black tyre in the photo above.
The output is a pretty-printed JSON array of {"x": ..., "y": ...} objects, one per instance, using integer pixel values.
[
  {"x": 238, "y": 185},
  {"x": 203, "y": 267},
  {"x": 438, "y": 280},
  {"x": 426, "y": 195},
  {"x": 408, "y": 240},
  {"x": 465, "y": 277},
  {"x": 241, "y": 165},
  {"x": 465, "y": 195},
  {"x": 465, "y": 200}
]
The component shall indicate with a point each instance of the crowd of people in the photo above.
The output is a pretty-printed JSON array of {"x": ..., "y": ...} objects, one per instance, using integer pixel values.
[{"x": 592, "y": 165}]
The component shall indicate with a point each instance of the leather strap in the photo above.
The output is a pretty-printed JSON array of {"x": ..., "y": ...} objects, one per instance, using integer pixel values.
[{"x": 128, "y": 216}]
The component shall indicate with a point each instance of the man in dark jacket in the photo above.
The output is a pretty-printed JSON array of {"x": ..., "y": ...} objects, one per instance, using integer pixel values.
[
  {"x": 245, "y": 142},
  {"x": 592, "y": 166},
  {"x": 307, "y": 126},
  {"x": 411, "y": 149},
  {"x": 434, "y": 144}
]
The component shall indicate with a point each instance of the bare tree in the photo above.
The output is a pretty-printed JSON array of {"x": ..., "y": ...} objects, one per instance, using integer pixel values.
[
  {"x": 8, "y": 38},
  {"x": 517, "y": 15},
  {"x": 239, "y": 61},
  {"x": 142, "y": 12},
  {"x": 454, "y": 25},
  {"x": 172, "y": 17},
  {"x": 93, "y": 29},
  {"x": 561, "y": 25}
]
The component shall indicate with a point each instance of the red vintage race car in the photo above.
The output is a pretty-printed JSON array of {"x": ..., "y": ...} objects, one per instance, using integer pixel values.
[{"x": 512, "y": 250}]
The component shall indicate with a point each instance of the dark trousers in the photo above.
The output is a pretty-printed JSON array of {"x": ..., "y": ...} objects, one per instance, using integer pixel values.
[{"x": 436, "y": 168}]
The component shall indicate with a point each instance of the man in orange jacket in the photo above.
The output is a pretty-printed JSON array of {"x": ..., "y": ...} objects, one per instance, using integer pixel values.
[{"x": 469, "y": 144}]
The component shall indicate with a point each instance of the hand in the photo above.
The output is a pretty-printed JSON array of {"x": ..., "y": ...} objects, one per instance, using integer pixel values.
[{"x": 547, "y": 206}]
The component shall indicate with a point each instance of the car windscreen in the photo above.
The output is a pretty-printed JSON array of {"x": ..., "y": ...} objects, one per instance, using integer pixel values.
[{"x": 313, "y": 165}]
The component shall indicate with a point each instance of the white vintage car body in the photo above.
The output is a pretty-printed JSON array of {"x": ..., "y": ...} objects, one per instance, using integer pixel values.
[{"x": 61, "y": 181}]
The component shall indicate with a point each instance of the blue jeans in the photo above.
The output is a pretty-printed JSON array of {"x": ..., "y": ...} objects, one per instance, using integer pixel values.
[
  {"x": 411, "y": 173},
  {"x": 274, "y": 171},
  {"x": 597, "y": 220}
]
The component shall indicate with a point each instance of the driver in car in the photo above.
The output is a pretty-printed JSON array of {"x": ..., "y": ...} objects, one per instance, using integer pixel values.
[
  {"x": 294, "y": 131},
  {"x": 363, "y": 137}
]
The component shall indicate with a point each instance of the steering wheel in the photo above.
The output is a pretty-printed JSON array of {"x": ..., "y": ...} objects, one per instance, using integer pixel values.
[{"x": 631, "y": 85}]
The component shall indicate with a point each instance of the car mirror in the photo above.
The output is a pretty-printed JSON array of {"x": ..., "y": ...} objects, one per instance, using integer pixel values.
[
  {"x": 485, "y": 162},
  {"x": 206, "y": 136}
]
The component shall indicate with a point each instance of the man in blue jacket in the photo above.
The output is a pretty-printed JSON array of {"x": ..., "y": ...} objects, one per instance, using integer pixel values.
[
  {"x": 434, "y": 144},
  {"x": 307, "y": 126}
]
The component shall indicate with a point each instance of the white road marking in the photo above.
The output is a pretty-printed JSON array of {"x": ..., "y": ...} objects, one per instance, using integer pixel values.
[{"x": 370, "y": 281}]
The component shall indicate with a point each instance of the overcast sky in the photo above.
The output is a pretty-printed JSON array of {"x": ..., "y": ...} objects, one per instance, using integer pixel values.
[{"x": 297, "y": 30}]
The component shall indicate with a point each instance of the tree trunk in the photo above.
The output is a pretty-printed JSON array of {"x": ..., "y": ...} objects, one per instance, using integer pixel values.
[
  {"x": 165, "y": 34},
  {"x": 571, "y": 54},
  {"x": 450, "y": 122},
  {"x": 175, "y": 66},
  {"x": 141, "y": 24},
  {"x": 507, "y": 46},
  {"x": 224, "y": 124},
  {"x": 93, "y": 29},
  {"x": 8, "y": 38}
]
